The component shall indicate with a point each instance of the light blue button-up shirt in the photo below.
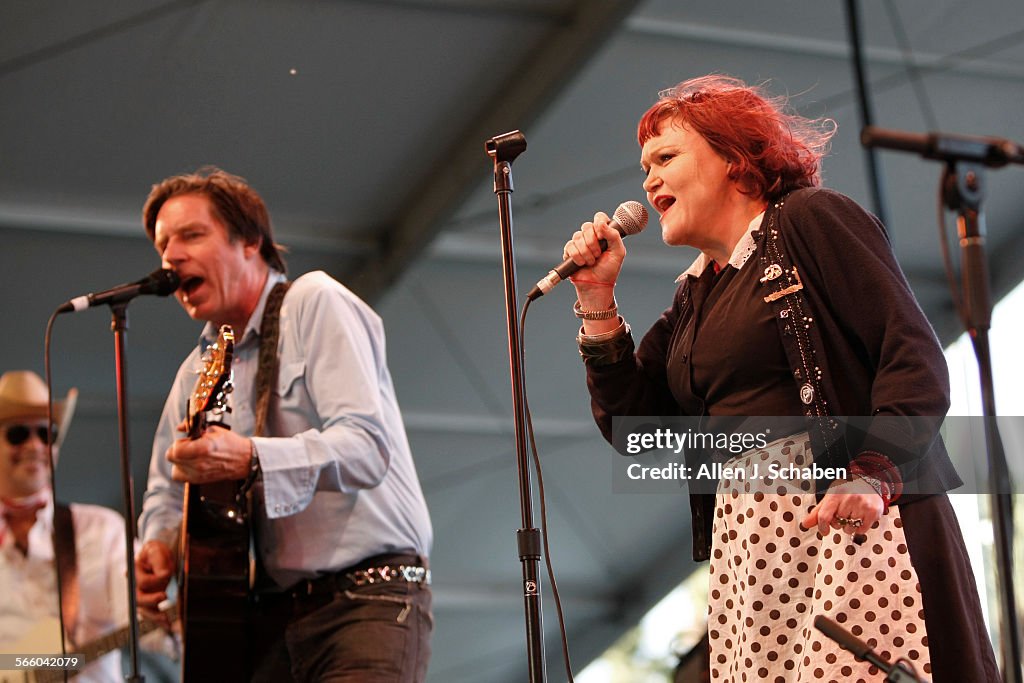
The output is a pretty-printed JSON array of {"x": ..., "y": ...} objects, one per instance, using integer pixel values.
[{"x": 339, "y": 484}]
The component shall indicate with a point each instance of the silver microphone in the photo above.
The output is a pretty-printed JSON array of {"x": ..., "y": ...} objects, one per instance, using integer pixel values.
[{"x": 629, "y": 219}]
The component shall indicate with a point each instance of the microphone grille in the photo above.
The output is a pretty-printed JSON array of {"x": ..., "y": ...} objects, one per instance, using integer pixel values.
[
  {"x": 631, "y": 216},
  {"x": 163, "y": 282}
]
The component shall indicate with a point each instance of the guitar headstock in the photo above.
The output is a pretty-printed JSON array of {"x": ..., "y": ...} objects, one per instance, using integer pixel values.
[{"x": 213, "y": 384}]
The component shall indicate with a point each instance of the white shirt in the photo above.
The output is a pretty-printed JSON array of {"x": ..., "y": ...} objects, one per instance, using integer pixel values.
[
  {"x": 339, "y": 484},
  {"x": 28, "y": 584}
]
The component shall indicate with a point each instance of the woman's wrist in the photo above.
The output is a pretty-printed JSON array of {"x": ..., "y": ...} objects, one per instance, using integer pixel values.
[
  {"x": 596, "y": 300},
  {"x": 594, "y": 295}
]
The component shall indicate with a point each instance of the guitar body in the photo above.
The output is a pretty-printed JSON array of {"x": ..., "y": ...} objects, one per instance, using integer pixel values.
[
  {"x": 215, "y": 584},
  {"x": 216, "y": 548}
]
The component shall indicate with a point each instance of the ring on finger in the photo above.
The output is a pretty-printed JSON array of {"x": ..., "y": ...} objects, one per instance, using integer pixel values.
[{"x": 855, "y": 522}]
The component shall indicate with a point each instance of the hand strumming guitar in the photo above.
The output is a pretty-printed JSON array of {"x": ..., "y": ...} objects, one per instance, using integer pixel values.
[{"x": 154, "y": 566}]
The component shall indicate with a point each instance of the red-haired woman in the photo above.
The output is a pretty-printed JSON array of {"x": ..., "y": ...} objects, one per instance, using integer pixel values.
[{"x": 795, "y": 307}]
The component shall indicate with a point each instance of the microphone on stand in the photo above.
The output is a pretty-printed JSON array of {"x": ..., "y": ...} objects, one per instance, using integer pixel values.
[
  {"x": 629, "y": 219},
  {"x": 993, "y": 152},
  {"x": 160, "y": 282},
  {"x": 895, "y": 673}
]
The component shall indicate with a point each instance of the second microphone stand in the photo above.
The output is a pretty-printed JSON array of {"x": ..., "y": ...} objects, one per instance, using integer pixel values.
[
  {"x": 504, "y": 149},
  {"x": 963, "y": 186}
]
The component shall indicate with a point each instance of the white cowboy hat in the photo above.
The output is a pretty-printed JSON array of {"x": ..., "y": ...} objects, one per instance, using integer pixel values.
[{"x": 23, "y": 396}]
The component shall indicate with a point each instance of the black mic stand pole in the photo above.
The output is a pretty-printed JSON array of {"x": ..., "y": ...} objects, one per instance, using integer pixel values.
[
  {"x": 504, "y": 149},
  {"x": 118, "y": 325},
  {"x": 963, "y": 191}
]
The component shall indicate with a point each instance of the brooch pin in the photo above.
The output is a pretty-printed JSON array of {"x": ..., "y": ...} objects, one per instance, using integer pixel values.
[
  {"x": 772, "y": 272},
  {"x": 795, "y": 287}
]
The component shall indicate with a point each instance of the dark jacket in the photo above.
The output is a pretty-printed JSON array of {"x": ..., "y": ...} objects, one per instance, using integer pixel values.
[{"x": 857, "y": 342}]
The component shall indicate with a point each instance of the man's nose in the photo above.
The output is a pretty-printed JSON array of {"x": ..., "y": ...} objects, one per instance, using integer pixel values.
[{"x": 171, "y": 256}]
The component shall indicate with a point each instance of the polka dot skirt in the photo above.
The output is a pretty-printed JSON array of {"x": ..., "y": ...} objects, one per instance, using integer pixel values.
[{"x": 769, "y": 580}]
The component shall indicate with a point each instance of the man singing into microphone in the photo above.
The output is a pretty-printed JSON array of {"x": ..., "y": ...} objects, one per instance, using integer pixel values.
[{"x": 342, "y": 532}]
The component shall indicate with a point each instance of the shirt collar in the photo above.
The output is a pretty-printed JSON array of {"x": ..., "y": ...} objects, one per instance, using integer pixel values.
[
  {"x": 252, "y": 328},
  {"x": 44, "y": 516},
  {"x": 744, "y": 249}
]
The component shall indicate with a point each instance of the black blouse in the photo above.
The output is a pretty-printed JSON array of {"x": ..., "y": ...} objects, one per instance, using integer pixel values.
[{"x": 729, "y": 360}]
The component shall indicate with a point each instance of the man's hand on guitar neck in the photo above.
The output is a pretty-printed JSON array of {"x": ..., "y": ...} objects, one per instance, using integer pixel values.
[{"x": 218, "y": 455}]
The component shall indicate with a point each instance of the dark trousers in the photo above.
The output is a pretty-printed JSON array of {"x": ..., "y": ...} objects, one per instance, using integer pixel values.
[{"x": 376, "y": 633}]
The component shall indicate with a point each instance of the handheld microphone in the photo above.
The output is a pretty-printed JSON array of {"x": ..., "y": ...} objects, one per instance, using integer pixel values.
[
  {"x": 629, "y": 219},
  {"x": 160, "y": 282}
]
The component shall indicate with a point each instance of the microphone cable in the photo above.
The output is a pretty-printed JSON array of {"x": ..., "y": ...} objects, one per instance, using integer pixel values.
[
  {"x": 47, "y": 370},
  {"x": 542, "y": 498}
]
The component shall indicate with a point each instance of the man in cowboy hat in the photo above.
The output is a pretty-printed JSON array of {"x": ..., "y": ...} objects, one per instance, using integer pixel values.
[{"x": 29, "y": 608}]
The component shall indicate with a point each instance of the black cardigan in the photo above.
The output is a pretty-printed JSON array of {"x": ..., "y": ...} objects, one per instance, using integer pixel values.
[{"x": 876, "y": 354}]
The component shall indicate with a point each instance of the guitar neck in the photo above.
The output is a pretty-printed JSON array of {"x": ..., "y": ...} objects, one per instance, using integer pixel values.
[
  {"x": 114, "y": 640},
  {"x": 89, "y": 652}
]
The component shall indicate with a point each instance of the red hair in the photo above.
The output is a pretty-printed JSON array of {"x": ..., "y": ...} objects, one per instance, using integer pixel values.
[{"x": 771, "y": 151}]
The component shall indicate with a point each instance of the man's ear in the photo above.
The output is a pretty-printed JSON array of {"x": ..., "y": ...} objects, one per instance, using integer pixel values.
[{"x": 252, "y": 249}]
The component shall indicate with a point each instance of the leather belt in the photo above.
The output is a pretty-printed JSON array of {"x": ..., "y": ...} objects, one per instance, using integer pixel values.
[{"x": 311, "y": 594}]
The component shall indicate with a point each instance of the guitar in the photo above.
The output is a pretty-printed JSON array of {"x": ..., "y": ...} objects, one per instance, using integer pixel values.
[
  {"x": 45, "y": 637},
  {"x": 216, "y": 549}
]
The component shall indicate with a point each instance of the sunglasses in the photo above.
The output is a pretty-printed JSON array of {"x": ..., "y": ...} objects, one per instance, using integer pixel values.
[{"x": 19, "y": 434}]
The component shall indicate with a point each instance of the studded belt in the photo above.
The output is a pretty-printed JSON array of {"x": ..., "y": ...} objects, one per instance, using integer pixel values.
[
  {"x": 389, "y": 572},
  {"x": 312, "y": 594}
]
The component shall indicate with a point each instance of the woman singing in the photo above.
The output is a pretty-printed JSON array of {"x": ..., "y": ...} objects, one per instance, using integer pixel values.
[{"x": 794, "y": 307}]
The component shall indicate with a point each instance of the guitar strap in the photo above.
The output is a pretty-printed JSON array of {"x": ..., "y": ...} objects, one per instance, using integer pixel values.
[
  {"x": 67, "y": 564},
  {"x": 266, "y": 372},
  {"x": 266, "y": 376}
]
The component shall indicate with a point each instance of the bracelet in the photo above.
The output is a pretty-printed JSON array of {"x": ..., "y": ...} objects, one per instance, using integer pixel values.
[
  {"x": 880, "y": 473},
  {"x": 596, "y": 315},
  {"x": 607, "y": 348},
  {"x": 576, "y": 280},
  {"x": 877, "y": 484},
  {"x": 593, "y": 339}
]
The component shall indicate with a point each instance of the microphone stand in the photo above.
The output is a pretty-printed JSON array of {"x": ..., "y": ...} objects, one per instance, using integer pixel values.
[
  {"x": 894, "y": 673},
  {"x": 118, "y": 325},
  {"x": 962, "y": 191},
  {"x": 504, "y": 149},
  {"x": 963, "y": 185}
]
